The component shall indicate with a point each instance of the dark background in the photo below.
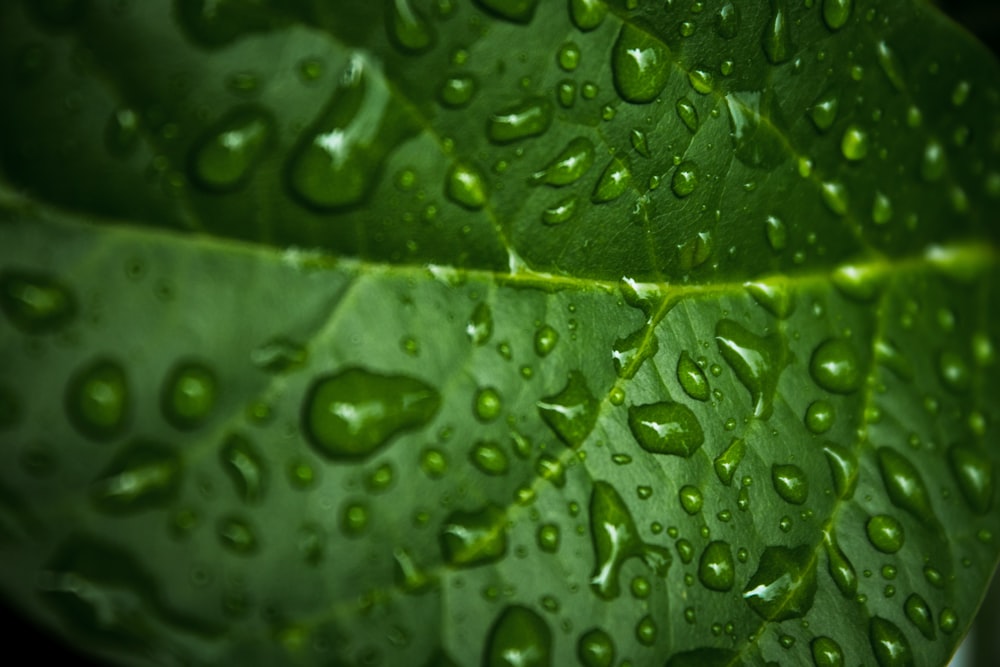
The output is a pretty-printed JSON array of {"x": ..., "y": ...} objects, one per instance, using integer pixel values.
[{"x": 23, "y": 643}]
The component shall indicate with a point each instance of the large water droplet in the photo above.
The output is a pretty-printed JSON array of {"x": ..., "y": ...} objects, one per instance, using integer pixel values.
[
  {"x": 885, "y": 532},
  {"x": 518, "y": 11},
  {"x": 529, "y": 118},
  {"x": 35, "y": 303},
  {"x": 755, "y": 124},
  {"x": 225, "y": 157},
  {"x": 728, "y": 461},
  {"x": 569, "y": 165},
  {"x": 408, "y": 28},
  {"x": 973, "y": 471},
  {"x": 777, "y": 37},
  {"x": 716, "y": 569},
  {"x": 338, "y": 160},
  {"x": 836, "y": 13},
  {"x": 784, "y": 584},
  {"x": 755, "y": 360},
  {"x": 355, "y": 412},
  {"x": 188, "y": 395},
  {"x": 98, "y": 401},
  {"x": 571, "y": 413},
  {"x": 834, "y": 366},
  {"x": 692, "y": 378},
  {"x": 640, "y": 65},
  {"x": 904, "y": 484},
  {"x": 790, "y": 483},
  {"x": 474, "y": 538},
  {"x": 595, "y": 648},
  {"x": 244, "y": 466},
  {"x": 840, "y": 567},
  {"x": 614, "y": 181},
  {"x": 616, "y": 539},
  {"x": 629, "y": 353},
  {"x": 519, "y": 638},
  {"x": 666, "y": 428},
  {"x": 143, "y": 476},
  {"x": 889, "y": 644}
]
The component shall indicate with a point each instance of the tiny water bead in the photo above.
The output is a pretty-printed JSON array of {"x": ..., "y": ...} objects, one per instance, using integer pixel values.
[
  {"x": 840, "y": 567},
  {"x": 479, "y": 328},
  {"x": 666, "y": 428},
  {"x": 777, "y": 37},
  {"x": 640, "y": 65},
  {"x": 189, "y": 395},
  {"x": 854, "y": 144},
  {"x": 36, "y": 303},
  {"x": 836, "y": 13},
  {"x": 688, "y": 114},
  {"x": 98, "y": 401},
  {"x": 834, "y": 366},
  {"x": 568, "y": 56},
  {"x": 885, "y": 533},
  {"x": 225, "y": 157}
]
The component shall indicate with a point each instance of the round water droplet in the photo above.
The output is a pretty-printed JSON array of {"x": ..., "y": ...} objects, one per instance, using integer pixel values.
[
  {"x": 889, "y": 644},
  {"x": 245, "y": 467},
  {"x": 408, "y": 28},
  {"x": 587, "y": 14},
  {"x": 466, "y": 186},
  {"x": 685, "y": 179},
  {"x": 380, "y": 479},
  {"x": 836, "y": 13},
  {"x": 457, "y": 91},
  {"x": 824, "y": 110},
  {"x": 934, "y": 163},
  {"x": 143, "y": 476},
  {"x": 640, "y": 65},
  {"x": 834, "y": 366},
  {"x": 666, "y": 428},
  {"x": 529, "y": 118},
  {"x": 777, "y": 37},
  {"x": 790, "y": 483},
  {"x": 854, "y": 143},
  {"x": 545, "y": 340},
  {"x": 489, "y": 458},
  {"x": 224, "y": 158},
  {"x": 784, "y": 585},
  {"x": 614, "y": 181},
  {"x": 948, "y": 621},
  {"x": 692, "y": 378},
  {"x": 569, "y": 165},
  {"x": 755, "y": 360},
  {"x": 568, "y": 56},
  {"x": 352, "y": 413},
  {"x": 691, "y": 499},
  {"x": 189, "y": 395},
  {"x": 548, "y": 538},
  {"x": 518, "y": 11},
  {"x": 487, "y": 404},
  {"x": 595, "y": 648},
  {"x": 885, "y": 532},
  {"x": 519, "y": 638},
  {"x": 973, "y": 471},
  {"x": 716, "y": 569},
  {"x": 474, "y": 538},
  {"x": 98, "y": 401},
  {"x": 819, "y": 416},
  {"x": 954, "y": 372},
  {"x": 35, "y": 303},
  {"x": 237, "y": 535},
  {"x": 571, "y": 413},
  {"x": 645, "y": 631},
  {"x": 354, "y": 518}
]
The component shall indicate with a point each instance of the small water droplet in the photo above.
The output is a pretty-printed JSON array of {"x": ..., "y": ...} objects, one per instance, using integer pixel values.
[
  {"x": 561, "y": 211},
  {"x": 142, "y": 476},
  {"x": 685, "y": 179},
  {"x": 716, "y": 569},
  {"x": 36, "y": 303},
  {"x": 569, "y": 165},
  {"x": 225, "y": 157},
  {"x": 773, "y": 296},
  {"x": 777, "y": 37},
  {"x": 726, "y": 463},
  {"x": 98, "y": 400},
  {"x": 889, "y": 644},
  {"x": 571, "y": 413},
  {"x": 834, "y": 195},
  {"x": 474, "y": 538},
  {"x": 755, "y": 360},
  {"x": 479, "y": 329},
  {"x": 836, "y": 13},
  {"x": 595, "y": 648},
  {"x": 934, "y": 163},
  {"x": 688, "y": 114},
  {"x": 666, "y": 428},
  {"x": 629, "y": 353},
  {"x": 840, "y": 567},
  {"x": 790, "y": 483},
  {"x": 854, "y": 143},
  {"x": 487, "y": 404},
  {"x": 885, "y": 533},
  {"x": 691, "y": 499},
  {"x": 857, "y": 281},
  {"x": 279, "y": 355},
  {"x": 904, "y": 484},
  {"x": 545, "y": 340},
  {"x": 457, "y": 91},
  {"x": 189, "y": 395},
  {"x": 727, "y": 21},
  {"x": 587, "y": 14},
  {"x": 776, "y": 233},
  {"x": 614, "y": 181},
  {"x": 973, "y": 471},
  {"x": 919, "y": 613},
  {"x": 639, "y": 142},
  {"x": 824, "y": 110},
  {"x": 692, "y": 378},
  {"x": 489, "y": 458},
  {"x": 244, "y": 466},
  {"x": 466, "y": 186},
  {"x": 826, "y": 652},
  {"x": 891, "y": 66},
  {"x": 819, "y": 416},
  {"x": 640, "y": 65},
  {"x": 408, "y": 28},
  {"x": 548, "y": 538},
  {"x": 529, "y": 118},
  {"x": 568, "y": 56},
  {"x": 237, "y": 535},
  {"x": 784, "y": 585}
]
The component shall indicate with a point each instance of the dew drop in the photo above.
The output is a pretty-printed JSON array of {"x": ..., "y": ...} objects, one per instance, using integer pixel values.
[
  {"x": 587, "y": 14},
  {"x": 243, "y": 463},
  {"x": 479, "y": 328},
  {"x": 645, "y": 631},
  {"x": 489, "y": 458},
  {"x": 834, "y": 195},
  {"x": 640, "y": 65},
  {"x": 225, "y": 157},
  {"x": 934, "y": 163},
  {"x": 840, "y": 567},
  {"x": 691, "y": 499},
  {"x": 568, "y": 56},
  {"x": 716, "y": 569},
  {"x": 457, "y": 91},
  {"x": 571, "y": 413},
  {"x": 857, "y": 281},
  {"x": 819, "y": 416},
  {"x": 98, "y": 401},
  {"x": 784, "y": 585},
  {"x": 726, "y": 463},
  {"x": 189, "y": 395},
  {"x": 408, "y": 29},
  {"x": 824, "y": 110},
  {"x": 595, "y": 648},
  {"x": 548, "y": 538},
  {"x": 529, "y": 118},
  {"x": 889, "y": 644},
  {"x": 904, "y": 484},
  {"x": 143, "y": 476},
  {"x": 614, "y": 181},
  {"x": 466, "y": 186},
  {"x": 519, "y": 638},
  {"x": 891, "y": 66},
  {"x": 561, "y": 211},
  {"x": 666, "y": 428},
  {"x": 954, "y": 372},
  {"x": 919, "y": 613},
  {"x": 755, "y": 360},
  {"x": 237, "y": 536},
  {"x": 973, "y": 471},
  {"x": 474, "y": 538},
  {"x": 685, "y": 179},
  {"x": 487, "y": 404},
  {"x": 885, "y": 533},
  {"x": 836, "y": 13},
  {"x": 727, "y": 21},
  {"x": 569, "y": 165},
  {"x": 629, "y": 353},
  {"x": 790, "y": 483},
  {"x": 776, "y": 233},
  {"x": 35, "y": 303},
  {"x": 854, "y": 143},
  {"x": 772, "y": 296},
  {"x": 834, "y": 366},
  {"x": 777, "y": 37},
  {"x": 826, "y": 652},
  {"x": 353, "y": 413},
  {"x": 692, "y": 378},
  {"x": 545, "y": 340}
]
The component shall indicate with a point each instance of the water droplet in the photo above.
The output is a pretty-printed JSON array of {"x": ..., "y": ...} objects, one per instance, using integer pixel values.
[
  {"x": 545, "y": 340},
  {"x": 834, "y": 195},
  {"x": 784, "y": 584},
  {"x": 244, "y": 466},
  {"x": 188, "y": 395},
  {"x": 639, "y": 142},
  {"x": 857, "y": 281},
  {"x": 279, "y": 355},
  {"x": 819, "y": 416},
  {"x": 826, "y": 652},
  {"x": 568, "y": 56},
  {"x": 225, "y": 157},
  {"x": 35, "y": 303},
  {"x": 773, "y": 296},
  {"x": 756, "y": 128},
  {"x": 919, "y": 613},
  {"x": 645, "y": 631},
  {"x": 457, "y": 91},
  {"x": 380, "y": 479},
  {"x": 973, "y": 472},
  {"x": 640, "y": 65},
  {"x": 701, "y": 80},
  {"x": 776, "y": 233},
  {"x": 587, "y": 14},
  {"x": 548, "y": 538},
  {"x": 948, "y": 620},
  {"x": 685, "y": 179},
  {"x": 728, "y": 461},
  {"x": 885, "y": 532},
  {"x": 144, "y": 475},
  {"x": 688, "y": 114},
  {"x": 691, "y": 499},
  {"x": 480, "y": 326},
  {"x": 790, "y": 483},
  {"x": 487, "y": 404},
  {"x": 836, "y": 13},
  {"x": 338, "y": 160},
  {"x": 889, "y": 644},
  {"x": 466, "y": 186},
  {"x": 572, "y": 413},
  {"x": 666, "y": 428},
  {"x": 97, "y": 400},
  {"x": 518, "y": 11},
  {"x": 891, "y": 66},
  {"x": 489, "y": 458},
  {"x": 408, "y": 29},
  {"x": 529, "y": 118},
  {"x": 121, "y": 134},
  {"x": 954, "y": 372},
  {"x": 629, "y": 353},
  {"x": 561, "y": 211},
  {"x": 237, "y": 535},
  {"x": 519, "y": 637},
  {"x": 854, "y": 143},
  {"x": 824, "y": 110},
  {"x": 843, "y": 464},
  {"x": 834, "y": 366},
  {"x": 841, "y": 570},
  {"x": 755, "y": 360},
  {"x": 614, "y": 181},
  {"x": 353, "y": 413},
  {"x": 934, "y": 164},
  {"x": 716, "y": 569},
  {"x": 727, "y": 21},
  {"x": 777, "y": 37},
  {"x": 595, "y": 648},
  {"x": 474, "y": 538},
  {"x": 904, "y": 484},
  {"x": 354, "y": 518},
  {"x": 569, "y": 165},
  {"x": 616, "y": 539},
  {"x": 691, "y": 378}
]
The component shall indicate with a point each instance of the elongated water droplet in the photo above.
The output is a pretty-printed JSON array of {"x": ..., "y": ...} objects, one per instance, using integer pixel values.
[
  {"x": 489, "y": 458},
  {"x": 826, "y": 652},
  {"x": 616, "y": 539},
  {"x": 561, "y": 211},
  {"x": 773, "y": 296},
  {"x": 889, "y": 644},
  {"x": 843, "y": 468},
  {"x": 716, "y": 569},
  {"x": 353, "y": 413},
  {"x": 777, "y": 37},
  {"x": 784, "y": 585},
  {"x": 891, "y": 66},
  {"x": 244, "y": 466},
  {"x": 518, "y": 11},
  {"x": 834, "y": 195},
  {"x": 519, "y": 638},
  {"x": 640, "y": 143},
  {"x": 629, "y": 353},
  {"x": 595, "y": 648},
  {"x": 666, "y": 428},
  {"x": 189, "y": 395},
  {"x": 756, "y": 128},
  {"x": 640, "y": 65},
  {"x": 466, "y": 186},
  {"x": 692, "y": 379},
  {"x": 224, "y": 158},
  {"x": 614, "y": 181},
  {"x": 695, "y": 251},
  {"x": 776, "y": 233},
  {"x": 685, "y": 179},
  {"x": 973, "y": 472},
  {"x": 727, "y": 21},
  {"x": 479, "y": 329},
  {"x": 35, "y": 303},
  {"x": 529, "y": 118},
  {"x": 474, "y": 538},
  {"x": 885, "y": 533},
  {"x": 143, "y": 476},
  {"x": 571, "y": 413},
  {"x": 98, "y": 400},
  {"x": 859, "y": 282},
  {"x": 726, "y": 463},
  {"x": 904, "y": 484},
  {"x": 836, "y": 13},
  {"x": 790, "y": 483},
  {"x": 339, "y": 159},
  {"x": 755, "y": 360},
  {"x": 279, "y": 355},
  {"x": 934, "y": 163},
  {"x": 881, "y": 209},
  {"x": 919, "y": 613},
  {"x": 840, "y": 567},
  {"x": 408, "y": 28},
  {"x": 569, "y": 165}
]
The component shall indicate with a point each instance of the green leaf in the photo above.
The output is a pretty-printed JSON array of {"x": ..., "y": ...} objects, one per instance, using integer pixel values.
[{"x": 498, "y": 332}]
